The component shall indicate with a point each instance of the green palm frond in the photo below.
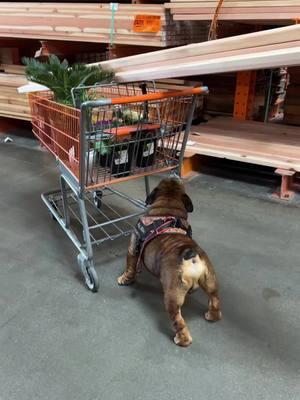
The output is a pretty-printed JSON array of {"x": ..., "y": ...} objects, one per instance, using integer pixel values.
[{"x": 60, "y": 77}]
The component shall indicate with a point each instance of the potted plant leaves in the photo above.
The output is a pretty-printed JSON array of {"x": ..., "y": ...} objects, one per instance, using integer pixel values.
[{"x": 61, "y": 78}]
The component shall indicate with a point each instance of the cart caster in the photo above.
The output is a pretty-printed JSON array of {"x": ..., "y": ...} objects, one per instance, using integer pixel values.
[
  {"x": 89, "y": 273},
  {"x": 97, "y": 197},
  {"x": 92, "y": 280}
]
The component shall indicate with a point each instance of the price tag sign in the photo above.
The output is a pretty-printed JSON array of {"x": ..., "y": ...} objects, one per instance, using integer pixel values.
[{"x": 147, "y": 23}]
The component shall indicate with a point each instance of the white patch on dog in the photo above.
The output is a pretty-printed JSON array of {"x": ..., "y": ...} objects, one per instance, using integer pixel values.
[
  {"x": 176, "y": 340},
  {"x": 194, "y": 267},
  {"x": 193, "y": 270}
]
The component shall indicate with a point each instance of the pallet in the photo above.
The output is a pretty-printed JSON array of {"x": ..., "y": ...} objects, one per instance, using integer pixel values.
[{"x": 271, "y": 145}]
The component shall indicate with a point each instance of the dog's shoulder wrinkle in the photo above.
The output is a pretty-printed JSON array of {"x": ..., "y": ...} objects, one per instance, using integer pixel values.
[{"x": 165, "y": 210}]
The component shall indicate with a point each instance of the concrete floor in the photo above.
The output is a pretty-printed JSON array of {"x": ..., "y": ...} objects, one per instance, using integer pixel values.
[{"x": 60, "y": 341}]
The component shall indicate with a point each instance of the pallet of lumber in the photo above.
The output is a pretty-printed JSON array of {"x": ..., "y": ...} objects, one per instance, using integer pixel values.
[
  {"x": 292, "y": 98},
  {"x": 12, "y": 69},
  {"x": 265, "y": 49},
  {"x": 12, "y": 103},
  {"x": 272, "y": 145},
  {"x": 255, "y": 11},
  {"x": 176, "y": 84},
  {"x": 88, "y": 22}
]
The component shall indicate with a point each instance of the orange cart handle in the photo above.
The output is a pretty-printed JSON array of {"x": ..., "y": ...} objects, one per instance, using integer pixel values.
[{"x": 160, "y": 95}]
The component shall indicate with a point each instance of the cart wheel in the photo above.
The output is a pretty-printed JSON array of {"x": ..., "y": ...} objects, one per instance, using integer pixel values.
[
  {"x": 89, "y": 273},
  {"x": 92, "y": 280},
  {"x": 97, "y": 195}
]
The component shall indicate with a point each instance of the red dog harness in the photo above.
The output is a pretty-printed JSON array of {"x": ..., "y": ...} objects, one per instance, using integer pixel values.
[{"x": 149, "y": 228}]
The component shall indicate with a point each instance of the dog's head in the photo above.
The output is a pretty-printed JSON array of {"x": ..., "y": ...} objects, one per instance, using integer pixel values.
[{"x": 170, "y": 192}]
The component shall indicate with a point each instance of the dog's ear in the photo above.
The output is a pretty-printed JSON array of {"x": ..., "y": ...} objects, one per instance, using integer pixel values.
[
  {"x": 152, "y": 196},
  {"x": 187, "y": 203}
]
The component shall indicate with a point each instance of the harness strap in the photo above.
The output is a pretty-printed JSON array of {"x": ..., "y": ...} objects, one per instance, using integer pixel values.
[{"x": 161, "y": 229}]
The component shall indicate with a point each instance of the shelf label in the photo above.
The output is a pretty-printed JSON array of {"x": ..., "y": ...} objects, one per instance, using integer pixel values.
[{"x": 146, "y": 23}]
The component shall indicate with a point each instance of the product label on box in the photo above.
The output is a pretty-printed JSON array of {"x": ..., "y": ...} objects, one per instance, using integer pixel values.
[
  {"x": 149, "y": 149},
  {"x": 122, "y": 159},
  {"x": 147, "y": 23}
]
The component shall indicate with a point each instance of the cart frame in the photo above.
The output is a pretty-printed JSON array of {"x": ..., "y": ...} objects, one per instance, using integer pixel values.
[{"x": 75, "y": 193}]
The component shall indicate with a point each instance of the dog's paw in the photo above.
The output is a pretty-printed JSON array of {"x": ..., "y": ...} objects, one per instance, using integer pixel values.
[
  {"x": 213, "y": 316},
  {"x": 123, "y": 280},
  {"x": 183, "y": 338}
]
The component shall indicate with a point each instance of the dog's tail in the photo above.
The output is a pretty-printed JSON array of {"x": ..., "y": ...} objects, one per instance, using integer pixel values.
[{"x": 188, "y": 252}]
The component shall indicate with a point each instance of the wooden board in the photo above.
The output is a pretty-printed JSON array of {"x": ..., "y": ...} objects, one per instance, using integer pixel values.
[
  {"x": 12, "y": 69},
  {"x": 92, "y": 23},
  {"x": 263, "y": 38},
  {"x": 266, "y": 49},
  {"x": 253, "y": 61},
  {"x": 266, "y": 11},
  {"x": 12, "y": 103}
]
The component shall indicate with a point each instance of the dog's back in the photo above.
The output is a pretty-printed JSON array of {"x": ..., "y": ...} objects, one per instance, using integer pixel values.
[{"x": 173, "y": 257}]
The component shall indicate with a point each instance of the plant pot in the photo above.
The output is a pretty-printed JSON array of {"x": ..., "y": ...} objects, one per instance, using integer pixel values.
[
  {"x": 146, "y": 152},
  {"x": 118, "y": 158},
  {"x": 147, "y": 144}
]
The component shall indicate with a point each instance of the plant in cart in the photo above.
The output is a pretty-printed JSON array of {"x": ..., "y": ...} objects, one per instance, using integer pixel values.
[
  {"x": 61, "y": 77},
  {"x": 114, "y": 140}
]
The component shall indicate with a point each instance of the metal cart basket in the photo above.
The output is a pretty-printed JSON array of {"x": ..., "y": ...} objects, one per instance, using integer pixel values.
[{"x": 117, "y": 132}]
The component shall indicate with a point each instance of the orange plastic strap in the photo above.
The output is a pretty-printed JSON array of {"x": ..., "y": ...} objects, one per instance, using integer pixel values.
[
  {"x": 159, "y": 96},
  {"x": 213, "y": 26},
  {"x": 128, "y": 129}
]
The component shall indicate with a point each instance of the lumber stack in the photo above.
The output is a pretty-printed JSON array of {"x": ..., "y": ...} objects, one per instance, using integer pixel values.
[
  {"x": 257, "y": 11},
  {"x": 88, "y": 22},
  {"x": 13, "y": 104},
  {"x": 272, "y": 145},
  {"x": 176, "y": 84},
  {"x": 265, "y": 49},
  {"x": 292, "y": 99}
]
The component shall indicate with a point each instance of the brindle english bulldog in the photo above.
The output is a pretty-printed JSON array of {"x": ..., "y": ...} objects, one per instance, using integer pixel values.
[{"x": 162, "y": 243}]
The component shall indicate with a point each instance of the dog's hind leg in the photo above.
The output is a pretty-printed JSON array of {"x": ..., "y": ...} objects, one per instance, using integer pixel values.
[
  {"x": 209, "y": 284},
  {"x": 174, "y": 299},
  {"x": 128, "y": 276}
]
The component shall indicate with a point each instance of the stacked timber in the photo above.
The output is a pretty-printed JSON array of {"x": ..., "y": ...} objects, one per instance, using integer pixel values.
[
  {"x": 265, "y": 49},
  {"x": 135, "y": 24},
  {"x": 12, "y": 103},
  {"x": 292, "y": 99},
  {"x": 273, "y": 145},
  {"x": 176, "y": 84},
  {"x": 257, "y": 11}
]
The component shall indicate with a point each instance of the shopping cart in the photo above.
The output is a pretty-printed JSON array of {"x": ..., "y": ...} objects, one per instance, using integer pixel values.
[{"x": 113, "y": 134}]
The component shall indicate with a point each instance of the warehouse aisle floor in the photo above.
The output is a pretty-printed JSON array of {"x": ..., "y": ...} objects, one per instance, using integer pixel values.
[{"x": 59, "y": 341}]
